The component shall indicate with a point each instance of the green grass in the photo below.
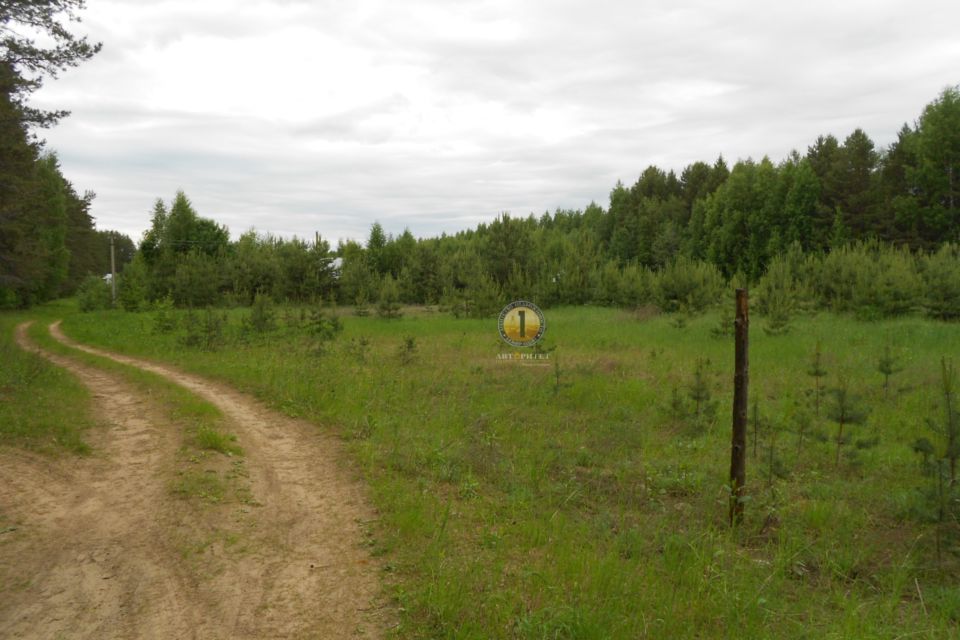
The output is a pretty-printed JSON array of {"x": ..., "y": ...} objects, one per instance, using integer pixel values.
[
  {"x": 203, "y": 420},
  {"x": 572, "y": 501},
  {"x": 200, "y": 477},
  {"x": 212, "y": 439},
  {"x": 42, "y": 407}
]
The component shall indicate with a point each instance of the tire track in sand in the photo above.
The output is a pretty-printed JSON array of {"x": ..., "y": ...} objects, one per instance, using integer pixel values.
[
  {"x": 88, "y": 559},
  {"x": 308, "y": 574}
]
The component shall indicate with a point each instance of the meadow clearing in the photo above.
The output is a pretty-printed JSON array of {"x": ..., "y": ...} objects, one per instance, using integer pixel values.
[{"x": 585, "y": 496}]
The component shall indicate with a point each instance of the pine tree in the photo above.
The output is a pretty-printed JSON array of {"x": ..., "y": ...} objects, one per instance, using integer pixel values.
[
  {"x": 888, "y": 365},
  {"x": 845, "y": 409},
  {"x": 949, "y": 427},
  {"x": 389, "y": 305},
  {"x": 817, "y": 371},
  {"x": 27, "y": 63}
]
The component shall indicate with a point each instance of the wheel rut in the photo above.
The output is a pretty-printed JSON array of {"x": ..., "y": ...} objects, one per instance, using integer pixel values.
[
  {"x": 302, "y": 570},
  {"x": 89, "y": 559}
]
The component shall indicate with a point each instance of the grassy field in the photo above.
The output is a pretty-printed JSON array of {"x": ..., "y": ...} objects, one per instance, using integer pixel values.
[
  {"x": 580, "y": 497},
  {"x": 42, "y": 407}
]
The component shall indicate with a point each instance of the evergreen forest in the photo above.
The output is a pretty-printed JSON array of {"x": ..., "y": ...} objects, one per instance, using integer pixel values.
[
  {"x": 48, "y": 238},
  {"x": 845, "y": 226}
]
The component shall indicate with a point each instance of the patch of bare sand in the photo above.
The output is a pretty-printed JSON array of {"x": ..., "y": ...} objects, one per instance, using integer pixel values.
[{"x": 303, "y": 570}]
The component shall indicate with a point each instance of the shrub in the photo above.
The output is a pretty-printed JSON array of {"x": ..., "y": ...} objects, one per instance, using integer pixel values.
[
  {"x": 132, "y": 285},
  {"x": 636, "y": 286},
  {"x": 687, "y": 284},
  {"x": 894, "y": 286},
  {"x": 164, "y": 320},
  {"x": 607, "y": 284},
  {"x": 785, "y": 289},
  {"x": 389, "y": 306},
  {"x": 94, "y": 294},
  {"x": 206, "y": 332},
  {"x": 324, "y": 326},
  {"x": 481, "y": 299},
  {"x": 262, "y": 318},
  {"x": 870, "y": 280},
  {"x": 841, "y": 272},
  {"x": 940, "y": 273},
  {"x": 846, "y": 409}
]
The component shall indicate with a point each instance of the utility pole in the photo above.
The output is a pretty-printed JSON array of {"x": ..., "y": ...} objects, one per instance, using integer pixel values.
[
  {"x": 113, "y": 272},
  {"x": 738, "y": 448}
]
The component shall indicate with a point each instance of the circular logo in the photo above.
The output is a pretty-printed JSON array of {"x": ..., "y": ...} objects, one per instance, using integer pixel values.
[{"x": 521, "y": 324}]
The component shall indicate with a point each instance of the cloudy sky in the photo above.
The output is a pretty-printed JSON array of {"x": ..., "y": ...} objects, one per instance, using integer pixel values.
[{"x": 299, "y": 116}]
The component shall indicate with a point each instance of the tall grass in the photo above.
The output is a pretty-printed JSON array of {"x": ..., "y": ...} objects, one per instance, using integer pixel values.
[{"x": 570, "y": 501}]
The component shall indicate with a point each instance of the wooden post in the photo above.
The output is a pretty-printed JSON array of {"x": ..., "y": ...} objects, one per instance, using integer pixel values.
[{"x": 738, "y": 449}]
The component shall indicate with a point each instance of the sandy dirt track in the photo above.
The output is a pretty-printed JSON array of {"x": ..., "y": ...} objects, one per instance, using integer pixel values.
[{"x": 98, "y": 551}]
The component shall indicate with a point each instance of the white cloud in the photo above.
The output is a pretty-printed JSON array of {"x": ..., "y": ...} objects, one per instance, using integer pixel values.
[{"x": 300, "y": 116}]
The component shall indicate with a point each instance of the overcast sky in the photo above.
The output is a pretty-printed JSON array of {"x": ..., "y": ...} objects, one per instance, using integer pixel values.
[{"x": 293, "y": 117}]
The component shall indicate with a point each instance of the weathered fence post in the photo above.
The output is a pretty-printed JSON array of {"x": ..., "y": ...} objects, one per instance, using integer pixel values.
[{"x": 738, "y": 449}]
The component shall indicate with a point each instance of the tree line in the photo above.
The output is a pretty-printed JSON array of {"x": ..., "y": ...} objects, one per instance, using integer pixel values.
[
  {"x": 844, "y": 224},
  {"x": 887, "y": 219},
  {"x": 48, "y": 239}
]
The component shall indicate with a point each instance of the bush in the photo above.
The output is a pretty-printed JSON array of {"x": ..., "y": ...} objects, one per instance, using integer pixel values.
[
  {"x": 607, "y": 284},
  {"x": 389, "y": 306},
  {"x": 94, "y": 294},
  {"x": 206, "y": 332},
  {"x": 940, "y": 273},
  {"x": 636, "y": 287},
  {"x": 870, "y": 280},
  {"x": 132, "y": 285},
  {"x": 687, "y": 284},
  {"x": 262, "y": 318},
  {"x": 787, "y": 285},
  {"x": 893, "y": 288},
  {"x": 324, "y": 324},
  {"x": 164, "y": 317},
  {"x": 840, "y": 274}
]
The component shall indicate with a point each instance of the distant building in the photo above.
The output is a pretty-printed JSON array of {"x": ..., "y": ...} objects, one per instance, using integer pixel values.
[{"x": 335, "y": 266}]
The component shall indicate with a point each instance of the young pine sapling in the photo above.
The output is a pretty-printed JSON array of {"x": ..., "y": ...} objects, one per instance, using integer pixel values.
[
  {"x": 801, "y": 420},
  {"x": 817, "y": 371},
  {"x": 845, "y": 409},
  {"x": 389, "y": 305},
  {"x": 262, "y": 318},
  {"x": 949, "y": 429},
  {"x": 361, "y": 303},
  {"x": 888, "y": 365},
  {"x": 324, "y": 325},
  {"x": 699, "y": 393}
]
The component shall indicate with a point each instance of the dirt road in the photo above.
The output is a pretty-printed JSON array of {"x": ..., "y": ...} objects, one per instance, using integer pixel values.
[{"x": 103, "y": 549}]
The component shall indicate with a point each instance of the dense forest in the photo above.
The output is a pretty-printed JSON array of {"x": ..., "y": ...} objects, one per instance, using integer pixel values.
[
  {"x": 846, "y": 226},
  {"x": 48, "y": 239}
]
